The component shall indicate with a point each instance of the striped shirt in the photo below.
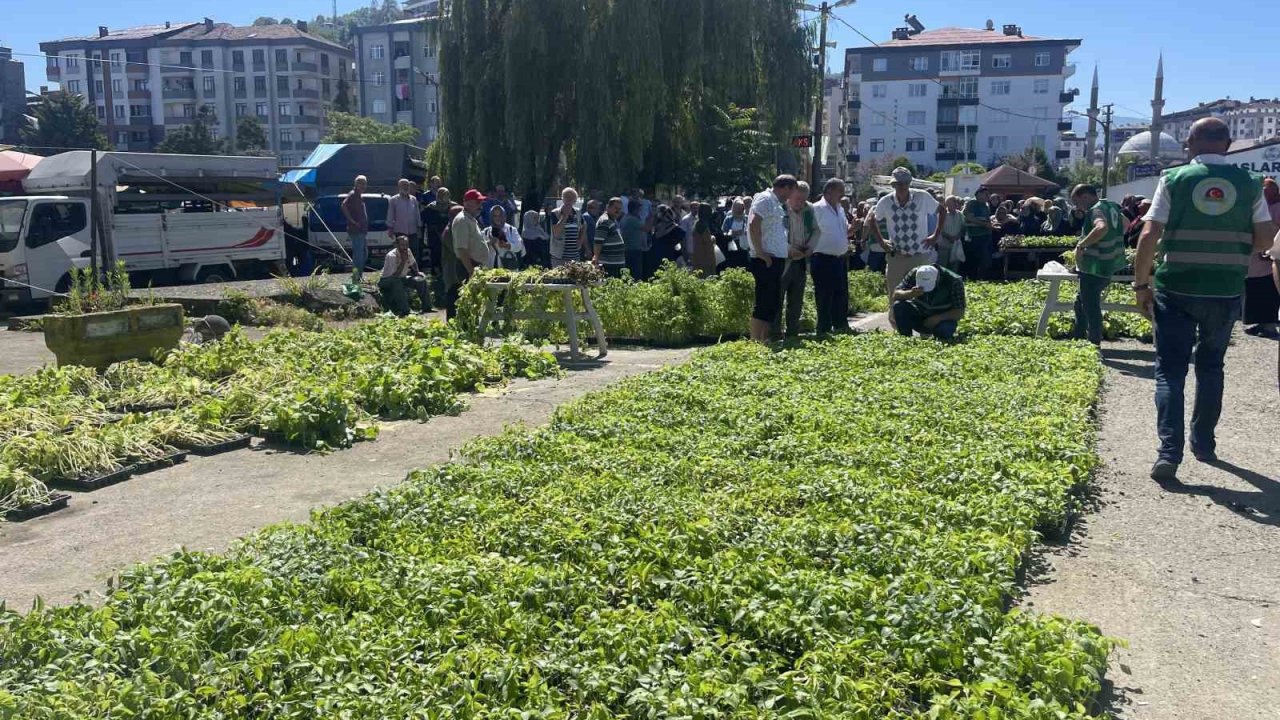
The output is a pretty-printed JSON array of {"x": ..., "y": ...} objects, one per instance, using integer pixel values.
[
  {"x": 570, "y": 249},
  {"x": 609, "y": 236}
]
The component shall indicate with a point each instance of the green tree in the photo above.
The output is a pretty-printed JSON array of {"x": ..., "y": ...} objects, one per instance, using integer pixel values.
[
  {"x": 1083, "y": 172},
  {"x": 342, "y": 97},
  {"x": 742, "y": 153},
  {"x": 59, "y": 121},
  {"x": 972, "y": 167},
  {"x": 251, "y": 138},
  {"x": 265, "y": 21},
  {"x": 1036, "y": 161},
  {"x": 350, "y": 128},
  {"x": 194, "y": 139},
  {"x": 905, "y": 162},
  {"x": 1120, "y": 168},
  {"x": 514, "y": 111}
]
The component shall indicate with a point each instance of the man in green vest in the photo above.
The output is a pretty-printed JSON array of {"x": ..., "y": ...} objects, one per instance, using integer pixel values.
[
  {"x": 1099, "y": 255},
  {"x": 1205, "y": 221}
]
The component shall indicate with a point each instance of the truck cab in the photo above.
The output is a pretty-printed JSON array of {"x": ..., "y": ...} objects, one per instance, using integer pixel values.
[{"x": 41, "y": 239}]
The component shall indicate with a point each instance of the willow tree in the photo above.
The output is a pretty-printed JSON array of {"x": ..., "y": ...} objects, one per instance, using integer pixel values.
[{"x": 614, "y": 92}]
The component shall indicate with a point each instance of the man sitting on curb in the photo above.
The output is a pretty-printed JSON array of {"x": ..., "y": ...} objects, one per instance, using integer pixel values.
[
  {"x": 400, "y": 272},
  {"x": 929, "y": 300}
]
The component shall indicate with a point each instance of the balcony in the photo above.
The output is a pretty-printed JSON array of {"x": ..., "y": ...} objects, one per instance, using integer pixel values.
[
  {"x": 956, "y": 129},
  {"x": 140, "y": 121},
  {"x": 282, "y": 92},
  {"x": 855, "y": 104},
  {"x": 240, "y": 93},
  {"x": 53, "y": 73},
  {"x": 307, "y": 120},
  {"x": 1065, "y": 126},
  {"x": 1067, "y": 98},
  {"x": 853, "y": 130},
  {"x": 259, "y": 66},
  {"x": 325, "y": 70},
  {"x": 237, "y": 67},
  {"x": 957, "y": 100},
  {"x": 401, "y": 63},
  {"x": 306, "y": 145},
  {"x": 208, "y": 93},
  {"x": 173, "y": 120},
  {"x": 172, "y": 93},
  {"x": 169, "y": 67},
  {"x": 306, "y": 93},
  {"x": 305, "y": 67},
  {"x": 136, "y": 68},
  {"x": 852, "y": 157},
  {"x": 282, "y": 66},
  {"x": 1063, "y": 154},
  {"x": 259, "y": 92},
  {"x": 284, "y": 145},
  {"x": 139, "y": 94},
  {"x": 1068, "y": 70},
  {"x": 284, "y": 119}
]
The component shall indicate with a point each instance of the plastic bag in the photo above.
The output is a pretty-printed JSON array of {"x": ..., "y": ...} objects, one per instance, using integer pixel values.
[{"x": 957, "y": 252}]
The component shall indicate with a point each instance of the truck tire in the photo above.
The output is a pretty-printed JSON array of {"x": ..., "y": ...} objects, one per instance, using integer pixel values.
[
  {"x": 215, "y": 274},
  {"x": 64, "y": 284}
]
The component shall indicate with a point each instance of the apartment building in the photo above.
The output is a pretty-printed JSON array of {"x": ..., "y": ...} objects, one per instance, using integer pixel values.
[
  {"x": 13, "y": 96},
  {"x": 398, "y": 66},
  {"x": 952, "y": 95},
  {"x": 1255, "y": 120},
  {"x": 155, "y": 78}
]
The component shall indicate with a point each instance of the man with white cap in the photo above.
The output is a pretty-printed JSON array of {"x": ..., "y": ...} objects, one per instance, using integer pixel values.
[
  {"x": 906, "y": 215},
  {"x": 929, "y": 300}
]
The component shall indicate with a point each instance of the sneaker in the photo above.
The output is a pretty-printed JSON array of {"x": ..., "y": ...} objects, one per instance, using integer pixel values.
[{"x": 1164, "y": 471}]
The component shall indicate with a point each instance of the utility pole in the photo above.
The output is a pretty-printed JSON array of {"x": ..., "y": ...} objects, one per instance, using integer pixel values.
[
  {"x": 94, "y": 241},
  {"x": 824, "y": 13},
  {"x": 1106, "y": 149}
]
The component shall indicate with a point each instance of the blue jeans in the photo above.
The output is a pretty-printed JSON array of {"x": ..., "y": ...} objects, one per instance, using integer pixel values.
[
  {"x": 1184, "y": 323},
  {"x": 908, "y": 318},
  {"x": 359, "y": 252},
  {"x": 1089, "y": 308}
]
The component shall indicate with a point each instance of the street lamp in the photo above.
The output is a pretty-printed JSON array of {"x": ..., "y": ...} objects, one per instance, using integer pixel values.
[
  {"x": 824, "y": 11},
  {"x": 1106, "y": 141}
]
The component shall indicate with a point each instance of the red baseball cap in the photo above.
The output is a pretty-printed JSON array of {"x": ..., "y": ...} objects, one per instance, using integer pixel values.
[{"x": 473, "y": 194}]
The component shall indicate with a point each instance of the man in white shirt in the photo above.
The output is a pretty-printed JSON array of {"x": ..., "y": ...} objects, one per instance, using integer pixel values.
[
  {"x": 399, "y": 272},
  {"x": 829, "y": 263},
  {"x": 767, "y": 229},
  {"x": 906, "y": 214},
  {"x": 404, "y": 217}
]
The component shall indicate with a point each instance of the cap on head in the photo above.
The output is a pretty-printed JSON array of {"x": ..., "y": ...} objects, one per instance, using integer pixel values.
[
  {"x": 902, "y": 176},
  {"x": 927, "y": 278},
  {"x": 473, "y": 194}
]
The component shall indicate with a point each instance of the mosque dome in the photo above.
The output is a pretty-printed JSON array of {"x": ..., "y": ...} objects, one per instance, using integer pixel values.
[{"x": 1140, "y": 145}]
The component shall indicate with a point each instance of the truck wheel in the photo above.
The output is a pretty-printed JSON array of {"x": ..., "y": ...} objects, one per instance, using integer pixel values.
[
  {"x": 64, "y": 284},
  {"x": 215, "y": 274}
]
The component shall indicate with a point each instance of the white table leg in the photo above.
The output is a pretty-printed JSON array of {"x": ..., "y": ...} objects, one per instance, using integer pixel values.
[
  {"x": 571, "y": 321},
  {"x": 1050, "y": 304},
  {"x": 602, "y": 345}
]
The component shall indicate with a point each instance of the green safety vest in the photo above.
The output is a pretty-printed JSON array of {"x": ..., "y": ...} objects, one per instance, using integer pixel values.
[
  {"x": 1105, "y": 257},
  {"x": 1209, "y": 237}
]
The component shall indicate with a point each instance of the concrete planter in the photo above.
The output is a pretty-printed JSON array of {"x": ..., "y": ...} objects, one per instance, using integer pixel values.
[{"x": 99, "y": 339}]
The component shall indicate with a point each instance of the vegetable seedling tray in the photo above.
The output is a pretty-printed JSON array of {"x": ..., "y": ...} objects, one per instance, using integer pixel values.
[
  {"x": 159, "y": 463},
  {"x": 144, "y": 408},
  {"x": 221, "y": 447},
  {"x": 90, "y": 484},
  {"x": 57, "y": 501}
]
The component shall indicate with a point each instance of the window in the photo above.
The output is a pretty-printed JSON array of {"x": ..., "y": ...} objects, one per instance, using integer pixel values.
[
  {"x": 286, "y": 136},
  {"x": 324, "y": 88},
  {"x": 428, "y": 51},
  {"x": 431, "y": 106},
  {"x": 238, "y": 84},
  {"x": 72, "y": 60},
  {"x": 282, "y": 84},
  {"x": 139, "y": 110},
  {"x": 948, "y": 115},
  {"x": 880, "y": 64},
  {"x": 302, "y": 109},
  {"x": 260, "y": 83},
  {"x": 879, "y": 91},
  {"x": 138, "y": 136},
  {"x": 377, "y": 52},
  {"x": 915, "y": 144},
  {"x": 119, "y": 112},
  {"x": 52, "y": 221},
  {"x": 189, "y": 110},
  {"x": 968, "y": 87},
  {"x": 918, "y": 89},
  {"x": 379, "y": 106},
  {"x": 206, "y": 58},
  {"x": 920, "y": 63},
  {"x": 877, "y": 146},
  {"x": 282, "y": 59},
  {"x": 877, "y": 119},
  {"x": 242, "y": 109},
  {"x": 184, "y": 59},
  {"x": 379, "y": 78},
  {"x": 97, "y": 87},
  {"x": 72, "y": 86},
  {"x": 402, "y": 75},
  {"x": 915, "y": 117},
  {"x": 259, "y": 57},
  {"x": 117, "y": 86},
  {"x": 141, "y": 85},
  {"x": 998, "y": 142},
  {"x": 284, "y": 109},
  {"x": 1041, "y": 87},
  {"x": 956, "y": 60},
  {"x": 1001, "y": 62},
  {"x": 1001, "y": 87},
  {"x": 117, "y": 60},
  {"x": 968, "y": 115},
  {"x": 260, "y": 109},
  {"x": 297, "y": 56},
  {"x": 1042, "y": 59},
  {"x": 208, "y": 84},
  {"x": 237, "y": 58},
  {"x": 213, "y": 133},
  {"x": 324, "y": 63},
  {"x": 298, "y": 85},
  {"x": 102, "y": 113},
  {"x": 1000, "y": 115}
]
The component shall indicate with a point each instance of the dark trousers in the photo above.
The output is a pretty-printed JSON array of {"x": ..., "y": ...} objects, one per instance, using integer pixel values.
[
  {"x": 451, "y": 301},
  {"x": 635, "y": 264},
  {"x": 791, "y": 294},
  {"x": 1089, "y": 308},
  {"x": 877, "y": 260},
  {"x": 977, "y": 257},
  {"x": 537, "y": 252},
  {"x": 909, "y": 318},
  {"x": 1187, "y": 325},
  {"x": 395, "y": 294},
  {"x": 831, "y": 292}
]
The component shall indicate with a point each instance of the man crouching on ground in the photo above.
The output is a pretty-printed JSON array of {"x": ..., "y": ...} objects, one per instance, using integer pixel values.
[{"x": 929, "y": 300}]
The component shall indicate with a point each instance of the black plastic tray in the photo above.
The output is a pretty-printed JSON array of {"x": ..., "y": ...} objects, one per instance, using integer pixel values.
[
  {"x": 57, "y": 501},
  {"x": 216, "y": 448},
  {"x": 164, "y": 462},
  {"x": 96, "y": 483},
  {"x": 143, "y": 408}
]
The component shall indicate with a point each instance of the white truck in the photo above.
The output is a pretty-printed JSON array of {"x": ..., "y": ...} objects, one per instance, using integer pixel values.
[{"x": 170, "y": 218}]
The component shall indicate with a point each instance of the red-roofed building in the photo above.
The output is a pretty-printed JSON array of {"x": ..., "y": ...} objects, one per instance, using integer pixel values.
[
  {"x": 158, "y": 76},
  {"x": 951, "y": 95}
]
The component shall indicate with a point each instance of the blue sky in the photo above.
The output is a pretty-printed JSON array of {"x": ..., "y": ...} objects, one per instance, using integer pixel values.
[{"x": 1207, "y": 56}]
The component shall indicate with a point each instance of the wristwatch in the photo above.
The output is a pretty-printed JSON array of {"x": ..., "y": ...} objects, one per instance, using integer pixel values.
[{"x": 1143, "y": 286}]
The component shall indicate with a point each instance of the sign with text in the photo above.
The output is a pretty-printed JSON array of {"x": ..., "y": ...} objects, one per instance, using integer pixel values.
[
  {"x": 1143, "y": 170},
  {"x": 801, "y": 141}
]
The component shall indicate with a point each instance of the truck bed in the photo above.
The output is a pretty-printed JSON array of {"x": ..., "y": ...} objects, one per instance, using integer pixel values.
[{"x": 170, "y": 240}]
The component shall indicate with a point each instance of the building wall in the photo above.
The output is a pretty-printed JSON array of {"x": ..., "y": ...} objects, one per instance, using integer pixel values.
[
  {"x": 913, "y": 118},
  {"x": 381, "y": 73},
  {"x": 13, "y": 96}
]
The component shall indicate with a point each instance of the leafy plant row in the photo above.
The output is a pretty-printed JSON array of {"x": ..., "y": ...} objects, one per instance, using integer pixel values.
[
  {"x": 1014, "y": 309},
  {"x": 809, "y": 533},
  {"x": 1011, "y": 242}
]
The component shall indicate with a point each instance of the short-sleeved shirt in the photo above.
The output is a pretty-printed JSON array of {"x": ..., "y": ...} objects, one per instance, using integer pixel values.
[
  {"x": 391, "y": 267},
  {"x": 833, "y": 227},
  {"x": 353, "y": 203},
  {"x": 633, "y": 233},
  {"x": 948, "y": 294},
  {"x": 978, "y": 210},
  {"x": 907, "y": 225},
  {"x": 1162, "y": 203},
  {"x": 773, "y": 224},
  {"x": 609, "y": 236},
  {"x": 570, "y": 244},
  {"x": 467, "y": 240}
]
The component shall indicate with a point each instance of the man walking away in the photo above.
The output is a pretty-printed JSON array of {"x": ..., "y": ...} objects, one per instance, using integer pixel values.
[
  {"x": 403, "y": 217},
  {"x": 830, "y": 263},
  {"x": 929, "y": 300},
  {"x": 635, "y": 236},
  {"x": 1206, "y": 219},
  {"x": 357, "y": 226},
  {"x": 767, "y": 229},
  {"x": 977, "y": 224},
  {"x": 907, "y": 215},
  {"x": 1098, "y": 256},
  {"x": 802, "y": 233},
  {"x": 609, "y": 248}
]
